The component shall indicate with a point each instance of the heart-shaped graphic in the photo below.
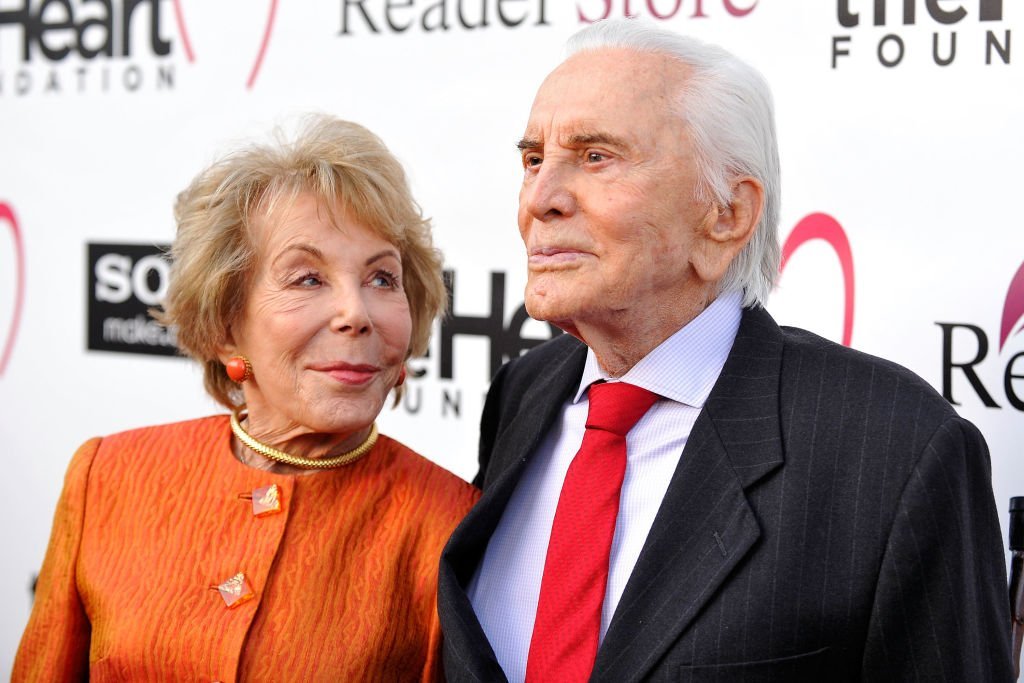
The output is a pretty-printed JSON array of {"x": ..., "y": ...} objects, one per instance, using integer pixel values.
[
  {"x": 179, "y": 17},
  {"x": 824, "y": 227},
  {"x": 7, "y": 216},
  {"x": 1013, "y": 308}
]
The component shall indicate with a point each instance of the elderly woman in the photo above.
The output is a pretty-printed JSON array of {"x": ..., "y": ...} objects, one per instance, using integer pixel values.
[{"x": 287, "y": 541}]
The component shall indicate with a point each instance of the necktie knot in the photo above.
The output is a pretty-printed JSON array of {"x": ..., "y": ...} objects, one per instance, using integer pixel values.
[{"x": 616, "y": 406}]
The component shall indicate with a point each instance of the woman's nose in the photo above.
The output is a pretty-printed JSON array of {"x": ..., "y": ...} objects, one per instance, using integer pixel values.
[{"x": 351, "y": 315}]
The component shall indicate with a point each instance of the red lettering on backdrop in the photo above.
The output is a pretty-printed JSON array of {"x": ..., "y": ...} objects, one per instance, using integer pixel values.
[
  {"x": 7, "y": 216},
  {"x": 671, "y": 13},
  {"x": 179, "y": 16},
  {"x": 738, "y": 11},
  {"x": 1013, "y": 308},
  {"x": 824, "y": 227},
  {"x": 658, "y": 11}
]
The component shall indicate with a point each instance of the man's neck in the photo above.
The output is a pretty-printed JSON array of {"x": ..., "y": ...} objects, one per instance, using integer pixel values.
[{"x": 625, "y": 338}]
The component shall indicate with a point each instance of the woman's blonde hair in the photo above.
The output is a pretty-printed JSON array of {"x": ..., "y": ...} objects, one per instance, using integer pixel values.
[{"x": 344, "y": 165}]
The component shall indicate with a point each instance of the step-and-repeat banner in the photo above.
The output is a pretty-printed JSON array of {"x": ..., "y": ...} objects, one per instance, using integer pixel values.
[{"x": 901, "y": 147}]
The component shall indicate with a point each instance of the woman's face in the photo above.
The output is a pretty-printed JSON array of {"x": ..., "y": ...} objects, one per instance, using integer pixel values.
[{"x": 326, "y": 324}]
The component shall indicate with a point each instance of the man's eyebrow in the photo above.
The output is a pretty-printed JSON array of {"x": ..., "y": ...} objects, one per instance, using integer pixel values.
[
  {"x": 578, "y": 139},
  {"x": 528, "y": 143}
]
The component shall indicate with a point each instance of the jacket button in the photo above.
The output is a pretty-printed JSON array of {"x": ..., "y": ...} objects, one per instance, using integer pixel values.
[
  {"x": 266, "y": 500},
  {"x": 235, "y": 590}
]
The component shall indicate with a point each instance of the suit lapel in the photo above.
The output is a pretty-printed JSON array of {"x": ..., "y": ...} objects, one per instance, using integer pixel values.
[
  {"x": 516, "y": 441},
  {"x": 538, "y": 409},
  {"x": 704, "y": 526}
]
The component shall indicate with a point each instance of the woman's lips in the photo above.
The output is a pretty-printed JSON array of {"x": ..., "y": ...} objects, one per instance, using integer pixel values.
[{"x": 348, "y": 373}]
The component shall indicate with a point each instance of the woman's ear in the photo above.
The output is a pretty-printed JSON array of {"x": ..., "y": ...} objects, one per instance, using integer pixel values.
[
  {"x": 727, "y": 229},
  {"x": 227, "y": 348}
]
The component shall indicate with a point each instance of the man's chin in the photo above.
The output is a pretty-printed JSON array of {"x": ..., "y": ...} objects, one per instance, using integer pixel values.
[
  {"x": 542, "y": 306},
  {"x": 551, "y": 310}
]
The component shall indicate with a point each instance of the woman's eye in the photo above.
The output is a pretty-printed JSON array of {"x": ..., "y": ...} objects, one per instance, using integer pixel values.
[
  {"x": 309, "y": 280},
  {"x": 384, "y": 280}
]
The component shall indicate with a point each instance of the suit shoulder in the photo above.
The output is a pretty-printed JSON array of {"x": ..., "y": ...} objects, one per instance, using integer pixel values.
[
  {"x": 861, "y": 376},
  {"x": 811, "y": 345}
]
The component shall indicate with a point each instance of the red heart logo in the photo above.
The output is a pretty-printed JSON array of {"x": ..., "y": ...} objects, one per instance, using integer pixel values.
[
  {"x": 824, "y": 227},
  {"x": 179, "y": 17},
  {"x": 7, "y": 216},
  {"x": 1013, "y": 307}
]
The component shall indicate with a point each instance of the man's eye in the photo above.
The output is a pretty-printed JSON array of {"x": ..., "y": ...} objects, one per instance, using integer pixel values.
[
  {"x": 532, "y": 160},
  {"x": 595, "y": 157}
]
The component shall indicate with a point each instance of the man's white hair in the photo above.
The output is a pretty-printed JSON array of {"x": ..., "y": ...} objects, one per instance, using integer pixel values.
[{"x": 726, "y": 106}]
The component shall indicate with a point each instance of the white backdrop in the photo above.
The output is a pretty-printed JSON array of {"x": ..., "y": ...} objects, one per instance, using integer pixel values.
[{"x": 918, "y": 163}]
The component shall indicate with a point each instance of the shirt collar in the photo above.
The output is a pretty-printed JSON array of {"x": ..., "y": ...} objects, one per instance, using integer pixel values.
[{"x": 685, "y": 366}]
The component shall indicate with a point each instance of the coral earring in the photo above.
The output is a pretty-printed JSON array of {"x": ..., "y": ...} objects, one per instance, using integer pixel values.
[{"x": 239, "y": 368}]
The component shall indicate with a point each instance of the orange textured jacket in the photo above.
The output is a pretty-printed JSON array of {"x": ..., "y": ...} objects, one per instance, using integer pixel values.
[{"x": 344, "y": 575}]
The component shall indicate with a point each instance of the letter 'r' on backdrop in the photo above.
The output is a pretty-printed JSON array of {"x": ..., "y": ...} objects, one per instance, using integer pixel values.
[{"x": 900, "y": 142}]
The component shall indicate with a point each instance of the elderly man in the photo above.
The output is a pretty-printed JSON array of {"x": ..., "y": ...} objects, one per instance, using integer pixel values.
[{"x": 679, "y": 489}]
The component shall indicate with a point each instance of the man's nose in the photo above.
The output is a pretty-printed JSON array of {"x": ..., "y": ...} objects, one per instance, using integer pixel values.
[
  {"x": 351, "y": 315},
  {"x": 550, "y": 192}
]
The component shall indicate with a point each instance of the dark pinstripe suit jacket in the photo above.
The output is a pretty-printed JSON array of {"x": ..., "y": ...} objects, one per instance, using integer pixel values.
[{"x": 831, "y": 519}]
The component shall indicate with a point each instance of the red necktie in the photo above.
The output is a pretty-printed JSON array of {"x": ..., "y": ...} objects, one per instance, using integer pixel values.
[{"x": 565, "y": 635}]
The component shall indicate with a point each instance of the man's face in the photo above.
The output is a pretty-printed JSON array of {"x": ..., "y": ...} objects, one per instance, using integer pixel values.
[{"x": 607, "y": 209}]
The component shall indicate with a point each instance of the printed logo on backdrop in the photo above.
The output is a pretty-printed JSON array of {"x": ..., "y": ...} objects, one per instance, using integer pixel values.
[
  {"x": 16, "y": 262},
  {"x": 891, "y": 33},
  {"x": 66, "y": 47},
  {"x": 384, "y": 16},
  {"x": 374, "y": 16},
  {"x": 968, "y": 343},
  {"x": 124, "y": 281}
]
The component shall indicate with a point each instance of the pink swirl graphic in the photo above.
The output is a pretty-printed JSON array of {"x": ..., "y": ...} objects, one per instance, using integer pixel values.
[
  {"x": 1013, "y": 308},
  {"x": 263, "y": 45},
  {"x": 179, "y": 17},
  {"x": 7, "y": 216},
  {"x": 824, "y": 227}
]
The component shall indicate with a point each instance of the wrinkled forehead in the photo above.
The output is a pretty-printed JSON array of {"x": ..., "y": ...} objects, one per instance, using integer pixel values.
[
  {"x": 608, "y": 90},
  {"x": 296, "y": 195},
  {"x": 281, "y": 200}
]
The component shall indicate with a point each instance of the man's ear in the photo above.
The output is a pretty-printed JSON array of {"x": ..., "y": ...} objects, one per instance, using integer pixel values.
[{"x": 727, "y": 229}]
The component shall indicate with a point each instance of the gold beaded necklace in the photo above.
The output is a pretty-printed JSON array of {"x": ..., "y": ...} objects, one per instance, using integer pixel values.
[{"x": 297, "y": 461}]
